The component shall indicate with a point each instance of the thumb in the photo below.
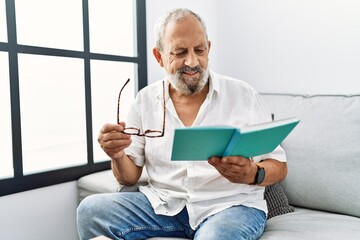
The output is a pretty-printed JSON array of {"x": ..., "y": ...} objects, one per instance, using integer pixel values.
[{"x": 122, "y": 124}]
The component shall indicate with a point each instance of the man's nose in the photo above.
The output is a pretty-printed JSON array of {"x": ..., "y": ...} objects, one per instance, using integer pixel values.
[{"x": 191, "y": 60}]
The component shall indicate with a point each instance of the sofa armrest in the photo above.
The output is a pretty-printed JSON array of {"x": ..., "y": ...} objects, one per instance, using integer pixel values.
[{"x": 105, "y": 182}]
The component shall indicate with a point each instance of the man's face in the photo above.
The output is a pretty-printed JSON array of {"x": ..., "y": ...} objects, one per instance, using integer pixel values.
[{"x": 185, "y": 55}]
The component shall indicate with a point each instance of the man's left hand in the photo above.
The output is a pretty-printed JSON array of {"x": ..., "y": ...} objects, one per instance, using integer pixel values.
[{"x": 236, "y": 169}]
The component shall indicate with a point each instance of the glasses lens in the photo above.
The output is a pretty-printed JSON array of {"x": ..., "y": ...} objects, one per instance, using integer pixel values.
[
  {"x": 131, "y": 131},
  {"x": 150, "y": 133}
]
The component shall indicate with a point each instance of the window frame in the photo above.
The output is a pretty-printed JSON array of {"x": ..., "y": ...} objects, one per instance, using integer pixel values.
[{"x": 20, "y": 182}]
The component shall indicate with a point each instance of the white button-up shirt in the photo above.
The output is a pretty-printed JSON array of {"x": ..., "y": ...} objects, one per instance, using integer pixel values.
[{"x": 195, "y": 184}]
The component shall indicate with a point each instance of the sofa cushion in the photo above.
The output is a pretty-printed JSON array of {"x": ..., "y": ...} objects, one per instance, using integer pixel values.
[
  {"x": 105, "y": 182},
  {"x": 312, "y": 224},
  {"x": 323, "y": 151},
  {"x": 276, "y": 201},
  {"x": 99, "y": 182}
]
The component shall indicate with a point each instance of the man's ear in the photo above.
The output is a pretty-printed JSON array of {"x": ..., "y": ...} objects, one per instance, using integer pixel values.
[
  {"x": 209, "y": 45},
  {"x": 157, "y": 55}
]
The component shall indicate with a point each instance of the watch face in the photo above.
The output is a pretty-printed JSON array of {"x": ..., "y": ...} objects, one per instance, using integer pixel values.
[{"x": 260, "y": 175}]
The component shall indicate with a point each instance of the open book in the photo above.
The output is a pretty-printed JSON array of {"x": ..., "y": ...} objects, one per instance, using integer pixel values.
[{"x": 201, "y": 143}]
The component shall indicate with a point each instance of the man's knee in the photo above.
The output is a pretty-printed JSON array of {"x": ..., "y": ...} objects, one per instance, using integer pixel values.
[
  {"x": 102, "y": 206},
  {"x": 94, "y": 205},
  {"x": 238, "y": 222},
  {"x": 86, "y": 208}
]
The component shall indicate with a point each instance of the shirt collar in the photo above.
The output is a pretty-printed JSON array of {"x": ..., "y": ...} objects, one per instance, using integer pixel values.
[{"x": 214, "y": 85}]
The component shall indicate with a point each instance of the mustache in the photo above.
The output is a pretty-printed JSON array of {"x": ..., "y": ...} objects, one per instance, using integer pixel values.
[{"x": 190, "y": 69}]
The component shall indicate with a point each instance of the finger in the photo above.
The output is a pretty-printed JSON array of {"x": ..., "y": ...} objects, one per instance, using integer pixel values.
[
  {"x": 222, "y": 163},
  {"x": 111, "y": 136},
  {"x": 115, "y": 153},
  {"x": 235, "y": 169},
  {"x": 214, "y": 161},
  {"x": 111, "y": 127},
  {"x": 237, "y": 160},
  {"x": 232, "y": 172},
  {"x": 117, "y": 143},
  {"x": 122, "y": 124},
  {"x": 224, "y": 169},
  {"x": 231, "y": 176},
  {"x": 114, "y": 148},
  {"x": 114, "y": 142},
  {"x": 229, "y": 170},
  {"x": 111, "y": 132}
]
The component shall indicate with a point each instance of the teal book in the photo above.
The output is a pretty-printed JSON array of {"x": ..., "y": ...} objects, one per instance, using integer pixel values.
[{"x": 201, "y": 143}]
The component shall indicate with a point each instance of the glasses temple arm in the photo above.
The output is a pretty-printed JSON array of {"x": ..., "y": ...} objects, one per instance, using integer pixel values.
[{"x": 118, "y": 105}]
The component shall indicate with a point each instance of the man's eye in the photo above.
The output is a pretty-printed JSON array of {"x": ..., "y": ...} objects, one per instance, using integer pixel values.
[
  {"x": 200, "y": 51},
  {"x": 179, "y": 54}
]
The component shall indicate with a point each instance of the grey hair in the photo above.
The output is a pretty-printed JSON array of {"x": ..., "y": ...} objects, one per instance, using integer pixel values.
[{"x": 172, "y": 17}]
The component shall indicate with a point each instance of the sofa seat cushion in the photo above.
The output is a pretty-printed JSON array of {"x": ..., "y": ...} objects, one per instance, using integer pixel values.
[
  {"x": 308, "y": 224},
  {"x": 312, "y": 224}
]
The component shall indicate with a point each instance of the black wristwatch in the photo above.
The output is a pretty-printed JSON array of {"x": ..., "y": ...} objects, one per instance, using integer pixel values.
[{"x": 260, "y": 174}]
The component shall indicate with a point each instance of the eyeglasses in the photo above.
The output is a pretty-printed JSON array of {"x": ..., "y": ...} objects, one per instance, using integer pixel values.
[{"x": 136, "y": 131}]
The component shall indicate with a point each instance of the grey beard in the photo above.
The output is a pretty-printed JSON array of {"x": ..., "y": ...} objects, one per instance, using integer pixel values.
[{"x": 189, "y": 86}]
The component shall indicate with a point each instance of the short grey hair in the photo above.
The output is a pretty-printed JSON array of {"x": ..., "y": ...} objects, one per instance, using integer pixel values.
[{"x": 172, "y": 17}]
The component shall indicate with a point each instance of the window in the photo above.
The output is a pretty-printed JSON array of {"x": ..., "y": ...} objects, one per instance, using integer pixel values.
[
  {"x": 59, "y": 80},
  {"x": 52, "y": 110},
  {"x": 103, "y": 96},
  {"x": 6, "y": 167},
  {"x": 3, "y": 32},
  {"x": 103, "y": 38}
]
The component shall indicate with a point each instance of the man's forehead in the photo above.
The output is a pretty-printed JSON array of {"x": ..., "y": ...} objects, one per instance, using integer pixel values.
[
  {"x": 184, "y": 43},
  {"x": 185, "y": 32},
  {"x": 173, "y": 45},
  {"x": 186, "y": 24}
]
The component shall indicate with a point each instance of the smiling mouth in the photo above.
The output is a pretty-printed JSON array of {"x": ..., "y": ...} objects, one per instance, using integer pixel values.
[
  {"x": 190, "y": 76},
  {"x": 190, "y": 73}
]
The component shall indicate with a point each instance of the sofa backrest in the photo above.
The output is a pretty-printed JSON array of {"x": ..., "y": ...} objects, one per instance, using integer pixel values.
[{"x": 323, "y": 151}]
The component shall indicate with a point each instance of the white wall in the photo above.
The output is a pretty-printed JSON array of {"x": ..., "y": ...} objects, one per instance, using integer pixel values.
[
  {"x": 309, "y": 46},
  {"x": 41, "y": 214}
]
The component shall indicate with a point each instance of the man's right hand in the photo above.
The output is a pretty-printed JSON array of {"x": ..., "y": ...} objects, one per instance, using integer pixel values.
[{"x": 113, "y": 141}]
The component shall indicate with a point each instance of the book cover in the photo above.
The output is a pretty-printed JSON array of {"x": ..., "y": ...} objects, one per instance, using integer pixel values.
[{"x": 201, "y": 143}]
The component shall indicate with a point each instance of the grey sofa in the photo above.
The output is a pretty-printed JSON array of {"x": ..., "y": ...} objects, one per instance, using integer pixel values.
[{"x": 323, "y": 182}]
